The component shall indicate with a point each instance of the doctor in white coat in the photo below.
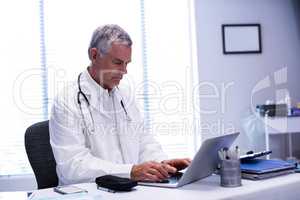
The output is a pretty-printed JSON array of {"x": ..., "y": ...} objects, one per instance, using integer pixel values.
[{"x": 96, "y": 127}]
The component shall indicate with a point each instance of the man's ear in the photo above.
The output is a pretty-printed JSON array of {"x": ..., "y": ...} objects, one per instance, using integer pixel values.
[{"x": 93, "y": 54}]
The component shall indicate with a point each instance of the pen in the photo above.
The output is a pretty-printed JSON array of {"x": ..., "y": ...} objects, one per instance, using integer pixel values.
[
  {"x": 237, "y": 152},
  {"x": 105, "y": 189},
  {"x": 226, "y": 155},
  {"x": 221, "y": 155}
]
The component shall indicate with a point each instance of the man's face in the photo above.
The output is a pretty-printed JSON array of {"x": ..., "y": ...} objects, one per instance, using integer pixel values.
[{"x": 112, "y": 66}]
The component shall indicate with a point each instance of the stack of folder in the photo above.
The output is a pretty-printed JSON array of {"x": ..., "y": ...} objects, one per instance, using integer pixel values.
[{"x": 257, "y": 169}]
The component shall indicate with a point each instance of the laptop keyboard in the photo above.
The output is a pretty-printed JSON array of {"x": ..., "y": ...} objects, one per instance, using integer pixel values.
[{"x": 173, "y": 179}]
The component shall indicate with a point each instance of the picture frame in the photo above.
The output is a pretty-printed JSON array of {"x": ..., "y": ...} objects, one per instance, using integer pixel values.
[{"x": 241, "y": 38}]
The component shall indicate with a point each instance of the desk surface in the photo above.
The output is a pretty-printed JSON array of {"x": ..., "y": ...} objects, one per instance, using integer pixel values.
[{"x": 283, "y": 187}]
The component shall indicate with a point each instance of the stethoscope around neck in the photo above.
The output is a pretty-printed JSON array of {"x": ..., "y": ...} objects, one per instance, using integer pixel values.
[{"x": 91, "y": 126}]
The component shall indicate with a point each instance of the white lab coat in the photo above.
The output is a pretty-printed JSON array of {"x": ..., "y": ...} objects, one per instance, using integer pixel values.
[{"x": 118, "y": 142}]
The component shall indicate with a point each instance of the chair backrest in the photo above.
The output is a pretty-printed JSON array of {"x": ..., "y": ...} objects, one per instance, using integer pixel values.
[{"x": 40, "y": 155}]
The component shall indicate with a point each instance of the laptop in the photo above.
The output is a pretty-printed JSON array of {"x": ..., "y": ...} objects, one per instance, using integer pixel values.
[{"x": 203, "y": 164}]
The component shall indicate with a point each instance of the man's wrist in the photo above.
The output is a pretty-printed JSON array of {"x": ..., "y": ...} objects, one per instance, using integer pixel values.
[{"x": 132, "y": 171}]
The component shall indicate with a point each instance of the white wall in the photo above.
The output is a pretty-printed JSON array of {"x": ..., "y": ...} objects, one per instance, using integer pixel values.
[{"x": 280, "y": 47}]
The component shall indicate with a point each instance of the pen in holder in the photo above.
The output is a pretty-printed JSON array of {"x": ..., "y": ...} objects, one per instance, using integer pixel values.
[{"x": 230, "y": 172}]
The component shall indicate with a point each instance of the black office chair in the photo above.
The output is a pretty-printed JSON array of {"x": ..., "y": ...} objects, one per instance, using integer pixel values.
[{"x": 40, "y": 155}]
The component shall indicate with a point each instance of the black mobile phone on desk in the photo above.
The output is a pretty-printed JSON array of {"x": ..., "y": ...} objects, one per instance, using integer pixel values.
[{"x": 69, "y": 189}]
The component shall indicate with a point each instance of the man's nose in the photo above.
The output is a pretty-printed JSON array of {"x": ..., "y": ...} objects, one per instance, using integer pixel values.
[{"x": 124, "y": 68}]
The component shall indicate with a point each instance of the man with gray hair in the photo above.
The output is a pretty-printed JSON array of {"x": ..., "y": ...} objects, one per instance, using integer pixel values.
[{"x": 96, "y": 127}]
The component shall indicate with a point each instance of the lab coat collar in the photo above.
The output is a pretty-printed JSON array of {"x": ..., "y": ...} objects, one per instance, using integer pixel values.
[
  {"x": 92, "y": 85},
  {"x": 95, "y": 93}
]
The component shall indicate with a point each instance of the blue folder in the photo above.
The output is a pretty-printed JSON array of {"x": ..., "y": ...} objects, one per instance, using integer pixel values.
[{"x": 261, "y": 166}]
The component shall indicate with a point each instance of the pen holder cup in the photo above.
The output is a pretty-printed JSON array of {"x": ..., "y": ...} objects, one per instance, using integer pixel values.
[{"x": 230, "y": 173}]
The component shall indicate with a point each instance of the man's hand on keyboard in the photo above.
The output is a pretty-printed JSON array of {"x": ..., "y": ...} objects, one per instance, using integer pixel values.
[
  {"x": 179, "y": 164},
  {"x": 150, "y": 171}
]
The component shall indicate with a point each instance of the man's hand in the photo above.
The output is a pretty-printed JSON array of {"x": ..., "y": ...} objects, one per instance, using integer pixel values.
[
  {"x": 179, "y": 164},
  {"x": 151, "y": 171}
]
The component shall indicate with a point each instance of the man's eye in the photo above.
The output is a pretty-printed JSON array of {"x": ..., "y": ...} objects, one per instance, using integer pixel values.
[{"x": 117, "y": 62}]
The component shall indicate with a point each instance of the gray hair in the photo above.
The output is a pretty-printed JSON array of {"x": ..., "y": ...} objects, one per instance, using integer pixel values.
[{"x": 104, "y": 36}]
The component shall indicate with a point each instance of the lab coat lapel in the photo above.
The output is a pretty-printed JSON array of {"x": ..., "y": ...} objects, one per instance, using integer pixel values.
[
  {"x": 96, "y": 95},
  {"x": 128, "y": 143}
]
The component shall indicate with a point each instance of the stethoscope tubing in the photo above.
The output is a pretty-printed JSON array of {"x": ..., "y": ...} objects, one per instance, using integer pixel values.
[{"x": 81, "y": 93}]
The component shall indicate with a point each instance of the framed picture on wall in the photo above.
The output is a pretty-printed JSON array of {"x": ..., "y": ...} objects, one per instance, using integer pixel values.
[{"x": 241, "y": 38}]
